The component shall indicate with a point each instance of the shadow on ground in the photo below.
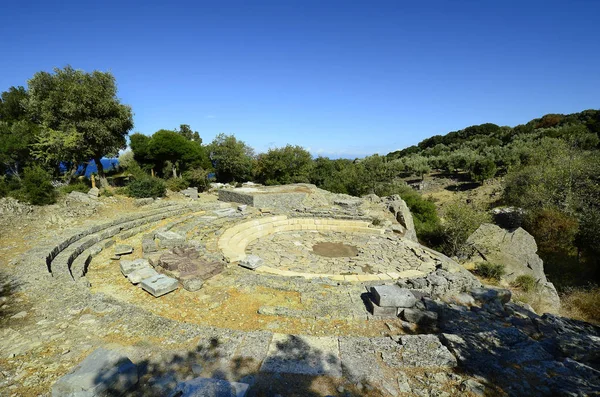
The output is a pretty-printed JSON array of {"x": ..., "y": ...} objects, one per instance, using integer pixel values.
[
  {"x": 210, "y": 360},
  {"x": 8, "y": 287}
]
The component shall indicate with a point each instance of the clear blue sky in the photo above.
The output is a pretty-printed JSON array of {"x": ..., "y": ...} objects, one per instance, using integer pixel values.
[{"x": 341, "y": 78}]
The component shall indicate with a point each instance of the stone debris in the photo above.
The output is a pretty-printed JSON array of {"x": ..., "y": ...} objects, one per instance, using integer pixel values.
[
  {"x": 251, "y": 262},
  {"x": 225, "y": 212},
  {"x": 94, "y": 192},
  {"x": 137, "y": 276},
  {"x": 123, "y": 249},
  {"x": 159, "y": 285},
  {"x": 209, "y": 387},
  {"x": 169, "y": 239},
  {"x": 186, "y": 265},
  {"x": 148, "y": 244},
  {"x": 191, "y": 192},
  {"x": 128, "y": 266},
  {"x": 104, "y": 372}
]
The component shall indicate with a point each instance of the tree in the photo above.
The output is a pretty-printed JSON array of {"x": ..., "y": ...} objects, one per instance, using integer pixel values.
[
  {"x": 170, "y": 146},
  {"x": 233, "y": 160},
  {"x": 187, "y": 133},
  {"x": 82, "y": 103},
  {"x": 459, "y": 222},
  {"x": 484, "y": 168},
  {"x": 290, "y": 164}
]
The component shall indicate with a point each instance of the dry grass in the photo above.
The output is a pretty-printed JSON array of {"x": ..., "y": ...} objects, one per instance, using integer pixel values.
[{"x": 582, "y": 304}]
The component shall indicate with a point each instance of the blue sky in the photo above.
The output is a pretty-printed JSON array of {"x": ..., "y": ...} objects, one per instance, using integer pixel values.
[{"x": 341, "y": 78}]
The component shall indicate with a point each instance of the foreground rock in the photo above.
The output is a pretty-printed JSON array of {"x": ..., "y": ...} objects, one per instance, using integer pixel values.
[
  {"x": 209, "y": 387},
  {"x": 102, "y": 373},
  {"x": 517, "y": 251}
]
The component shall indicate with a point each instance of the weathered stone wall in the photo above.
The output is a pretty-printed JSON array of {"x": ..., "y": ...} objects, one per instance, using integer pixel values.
[{"x": 284, "y": 200}]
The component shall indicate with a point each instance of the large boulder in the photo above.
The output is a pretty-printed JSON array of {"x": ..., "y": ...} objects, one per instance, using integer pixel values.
[
  {"x": 516, "y": 250},
  {"x": 398, "y": 207}
]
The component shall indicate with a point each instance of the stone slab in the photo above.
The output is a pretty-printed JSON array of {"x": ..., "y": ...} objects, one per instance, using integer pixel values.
[
  {"x": 103, "y": 372},
  {"x": 128, "y": 266},
  {"x": 376, "y": 310},
  {"x": 210, "y": 387},
  {"x": 123, "y": 249},
  {"x": 303, "y": 355},
  {"x": 139, "y": 275},
  {"x": 251, "y": 262},
  {"x": 168, "y": 239},
  {"x": 392, "y": 296},
  {"x": 159, "y": 285}
]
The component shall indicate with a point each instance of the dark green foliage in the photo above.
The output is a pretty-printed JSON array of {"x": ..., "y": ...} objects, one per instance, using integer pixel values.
[
  {"x": 233, "y": 159},
  {"x": 177, "y": 184},
  {"x": 483, "y": 169},
  {"x": 290, "y": 164},
  {"x": 83, "y": 110},
  {"x": 198, "y": 178},
  {"x": 493, "y": 271},
  {"x": 3, "y": 187},
  {"x": 37, "y": 187},
  {"x": 147, "y": 187}
]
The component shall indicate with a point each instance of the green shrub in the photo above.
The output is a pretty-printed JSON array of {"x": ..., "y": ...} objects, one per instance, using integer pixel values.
[
  {"x": 104, "y": 192},
  {"x": 525, "y": 282},
  {"x": 37, "y": 186},
  {"x": 3, "y": 187},
  {"x": 493, "y": 271},
  {"x": 197, "y": 177},
  {"x": 147, "y": 187},
  {"x": 79, "y": 186},
  {"x": 177, "y": 184}
]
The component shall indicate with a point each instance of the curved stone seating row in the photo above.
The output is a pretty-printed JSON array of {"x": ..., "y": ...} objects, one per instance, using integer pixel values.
[
  {"x": 234, "y": 240},
  {"x": 60, "y": 259},
  {"x": 79, "y": 265}
]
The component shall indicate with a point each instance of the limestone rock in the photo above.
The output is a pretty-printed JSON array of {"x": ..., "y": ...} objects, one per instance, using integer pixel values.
[
  {"x": 168, "y": 239},
  {"x": 392, "y": 296},
  {"x": 398, "y": 207},
  {"x": 159, "y": 285},
  {"x": 251, "y": 262},
  {"x": 94, "y": 192},
  {"x": 191, "y": 192},
  {"x": 130, "y": 266},
  {"x": 419, "y": 317},
  {"x": 516, "y": 250},
  {"x": 123, "y": 249},
  {"x": 102, "y": 373},
  {"x": 137, "y": 276}
]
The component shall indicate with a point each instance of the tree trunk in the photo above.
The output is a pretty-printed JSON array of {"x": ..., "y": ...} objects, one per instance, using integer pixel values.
[
  {"x": 99, "y": 166},
  {"x": 174, "y": 171}
]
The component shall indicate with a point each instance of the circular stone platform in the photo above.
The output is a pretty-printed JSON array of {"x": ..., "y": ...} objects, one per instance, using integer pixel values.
[{"x": 293, "y": 251}]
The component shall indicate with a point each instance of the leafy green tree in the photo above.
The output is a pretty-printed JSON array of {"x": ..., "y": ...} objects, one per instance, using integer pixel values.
[
  {"x": 417, "y": 165},
  {"x": 37, "y": 186},
  {"x": 484, "y": 168},
  {"x": 73, "y": 101},
  {"x": 187, "y": 133},
  {"x": 233, "y": 160},
  {"x": 170, "y": 146},
  {"x": 290, "y": 164}
]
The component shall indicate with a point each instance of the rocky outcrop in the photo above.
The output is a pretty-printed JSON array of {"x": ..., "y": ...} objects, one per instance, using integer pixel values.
[
  {"x": 398, "y": 207},
  {"x": 517, "y": 251}
]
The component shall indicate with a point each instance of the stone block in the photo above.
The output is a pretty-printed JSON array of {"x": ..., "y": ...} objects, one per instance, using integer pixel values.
[
  {"x": 252, "y": 262},
  {"x": 209, "y": 387},
  {"x": 148, "y": 244},
  {"x": 123, "y": 249},
  {"x": 94, "y": 192},
  {"x": 191, "y": 192},
  {"x": 169, "y": 239},
  {"x": 104, "y": 372},
  {"x": 374, "y": 309},
  {"x": 419, "y": 317},
  {"x": 137, "y": 276},
  {"x": 130, "y": 266},
  {"x": 159, "y": 285},
  {"x": 488, "y": 294},
  {"x": 392, "y": 296}
]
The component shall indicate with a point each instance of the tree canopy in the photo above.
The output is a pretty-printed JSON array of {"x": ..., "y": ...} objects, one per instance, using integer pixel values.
[{"x": 82, "y": 107}]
